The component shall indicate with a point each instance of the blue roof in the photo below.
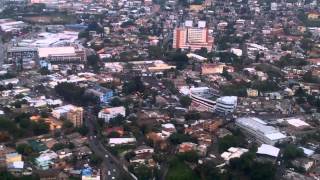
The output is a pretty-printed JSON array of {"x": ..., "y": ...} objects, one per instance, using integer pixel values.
[{"x": 86, "y": 171}]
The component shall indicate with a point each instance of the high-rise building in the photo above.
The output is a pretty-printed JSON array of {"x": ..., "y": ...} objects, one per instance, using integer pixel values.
[
  {"x": 75, "y": 116},
  {"x": 192, "y": 37}
]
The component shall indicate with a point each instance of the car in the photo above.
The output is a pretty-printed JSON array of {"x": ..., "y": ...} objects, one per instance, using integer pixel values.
[
  {"x": 106, "y": 156},
  {"x": 113, "y": 177},
  {"x": 109, "y": 173},
  {"x": 114, "y": 170}
]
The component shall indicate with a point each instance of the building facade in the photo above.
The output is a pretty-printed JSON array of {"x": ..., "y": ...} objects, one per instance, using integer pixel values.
[
  {"x": 260, "y": 130},
  {"x": 193, "y": 38},
  {"x": 226, "y": 104},
  {"x": 109, "y": 113},
  {"x": 76, "y": 116}
]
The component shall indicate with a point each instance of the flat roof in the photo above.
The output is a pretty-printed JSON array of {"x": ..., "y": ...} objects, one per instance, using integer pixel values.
[
  {"x": 269, "y": 150},
  {"x": 45, "y": 52}
]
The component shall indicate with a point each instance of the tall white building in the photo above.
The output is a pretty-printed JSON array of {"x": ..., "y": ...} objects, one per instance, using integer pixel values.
[
  {"x": 226, "y": 104},
  {"x": 260, "y": 130}
]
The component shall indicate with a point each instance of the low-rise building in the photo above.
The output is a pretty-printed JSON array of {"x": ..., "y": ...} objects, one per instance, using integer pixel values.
[
  {"x": 121, "y": 141},
  {"x": 45, "y": 160},
  {"x": 259, "y": 129}
]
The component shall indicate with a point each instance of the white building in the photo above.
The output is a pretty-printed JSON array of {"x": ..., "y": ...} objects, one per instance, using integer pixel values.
[
  {"x": 260, "y": 130},
  {"x": 12, "y": 81},
  {"x": 120, "y": 141},
  {"x": 233, "y": 152},
  {"x": 268, "y": 150},
  {"x": 143, "y": 149},
  {"x": 226, "y": 104},
  {"x": 109, "y": 113},
  {"x": 202, "y": 98}
]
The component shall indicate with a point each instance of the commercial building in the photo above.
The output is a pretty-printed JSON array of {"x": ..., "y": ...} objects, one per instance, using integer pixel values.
[
  {"x": 121, "y": 141},
  {"x": 104, "y": 94},
  {"x": 20, "y": 53},
  {"x": 75, "y": 116},
  {"x": 109, "y": 113},
  {"x": 216, "y": 68},
  {"x": 203, "y": 98},
  {"x": 226, "y": 104},
  {"x": 192, "y": 37},
  {"x": 259, "y": 129},
  {"x": 67, "y": 54},
  {"x": 70, "y": 112}
]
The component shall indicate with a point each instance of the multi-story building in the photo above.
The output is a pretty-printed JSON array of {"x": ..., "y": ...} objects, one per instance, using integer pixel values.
[
  {"x": 226, "y": 104},
  {"x": 104, "y": 94},
  {"x": 70, "y": 112},
  {"x": 76, "y": 116},
  {"x": 68, "y": 54},
  {"x": 259, "y": 129},
  {"x": 203, "y": 98},
  {"x": 109, "y": 113},
  {"x": 193, "y": 38}
]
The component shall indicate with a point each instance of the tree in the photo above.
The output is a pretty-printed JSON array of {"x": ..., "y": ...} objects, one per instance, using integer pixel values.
[
  {"x": 209, "y": 171},
  {"x": 24, "y": 149},
  {"x": 67, "y": 124},
  {"x": 190, "y": 156},
  {"x": 93, "y": 61},
  {"x": 185, "y": 101},
  {"x": 115, "y": 102},
  {"x": 226, "y": 74},
  {"x": 265, "y": 86},
  {"x": 306, "y": 44},
  {"x": 58, "y": 146},
  {"x": 44, "y": 71},
  {"x": 180, "y": 59},
  {"x": 291, "y": 152},
  {"x": 70, "y": 92},
  {"x": 155, "y": 52},
  {"x": 40, "y": 127},
  {"x": 310, "y": 78},
  {"x": 230, "y": 141},
  {"x": 5, "y": 175},
  {"x": 95, "y": 160},
  {"x": 178, "y": 138},
  {"x": 83, "y": 34},
  {"x": 113, "y": 134},
  {"x": 192, "y": 115},
  {"x": 133, "y": 85},
  {"x": 116, "y": 121},
  {"x": 142, "y": 172},
  {"x": 300, "y": 92},
  {"x": 83, "y": 130}
]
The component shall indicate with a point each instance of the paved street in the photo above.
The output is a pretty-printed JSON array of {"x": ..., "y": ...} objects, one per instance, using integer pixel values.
[
  {"x": 2, "y": 52},
  {"x": 111, "y": 167}
]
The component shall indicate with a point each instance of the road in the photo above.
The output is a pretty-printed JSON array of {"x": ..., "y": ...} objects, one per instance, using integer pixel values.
[
  {"x": 2, "y": 52},
  {"x": 111, "y": 167}
]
